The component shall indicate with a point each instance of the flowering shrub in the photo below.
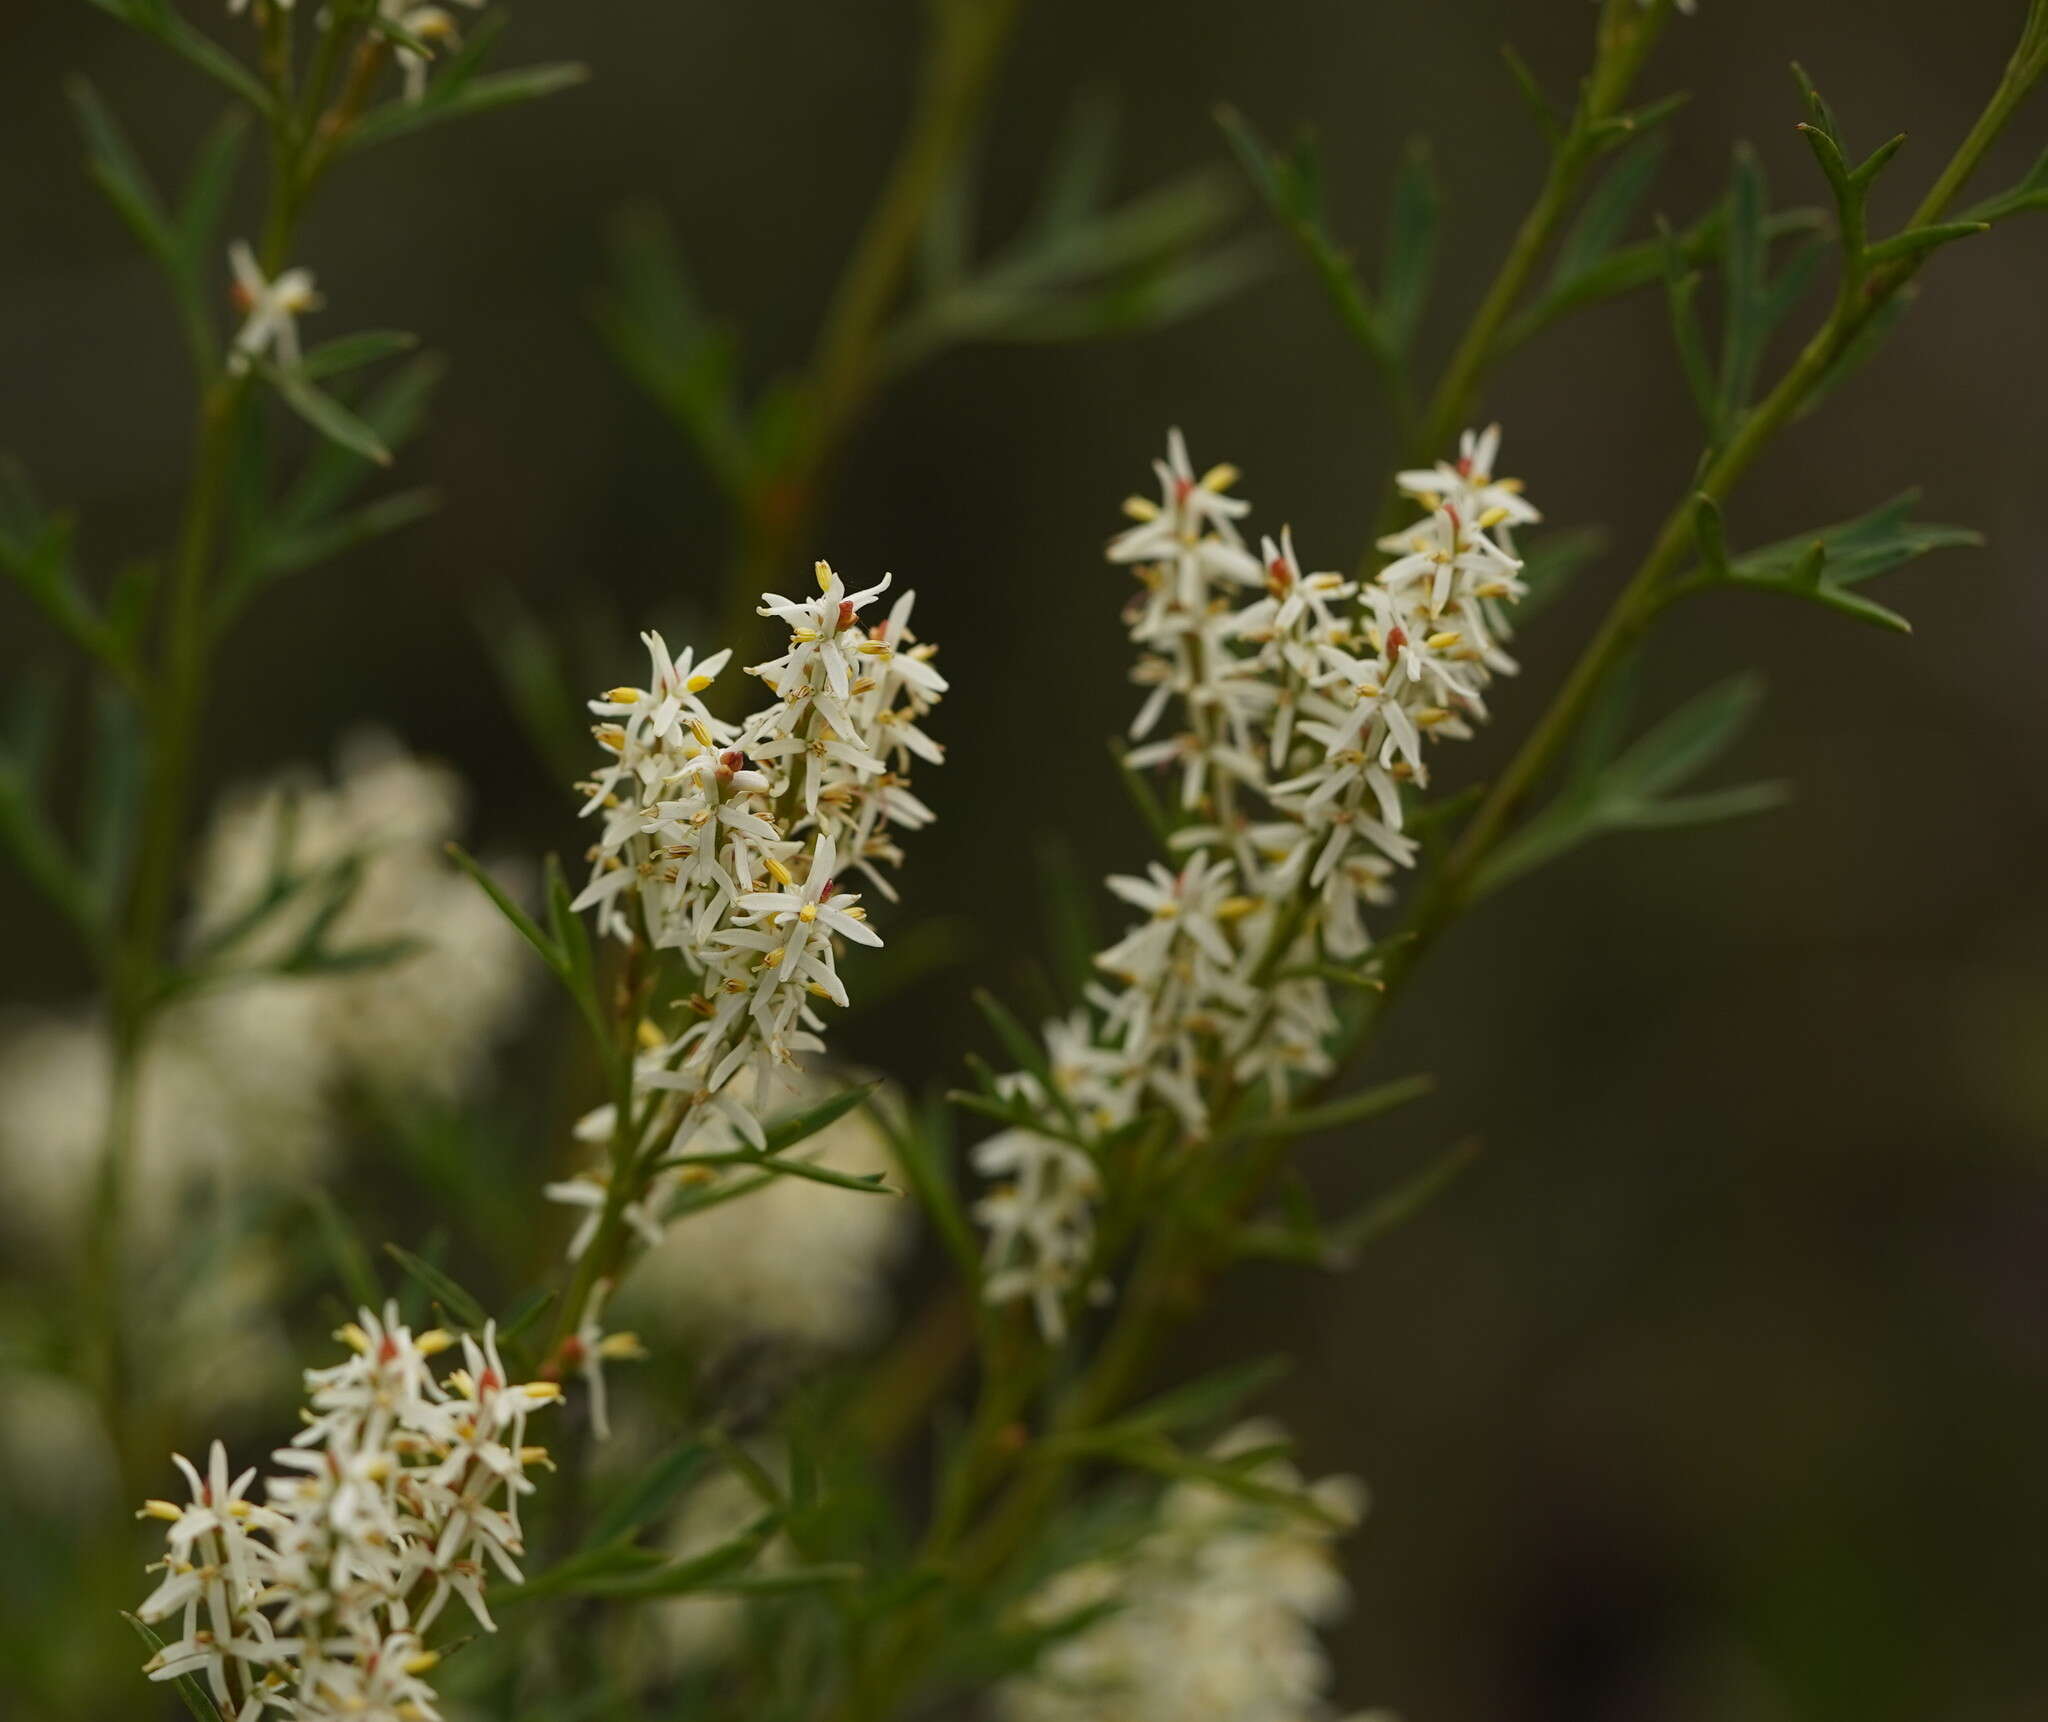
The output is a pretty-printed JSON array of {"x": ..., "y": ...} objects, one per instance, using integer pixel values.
[{"x": 323, "y": 967}]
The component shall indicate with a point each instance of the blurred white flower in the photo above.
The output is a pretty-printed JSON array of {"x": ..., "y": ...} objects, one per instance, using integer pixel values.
[
  {"x": 270, "y": 309},
  {"x": 1211, "y": 1616},
  {"x": 795, "y": 1260},
  {"x": 240, "y": 1081}
]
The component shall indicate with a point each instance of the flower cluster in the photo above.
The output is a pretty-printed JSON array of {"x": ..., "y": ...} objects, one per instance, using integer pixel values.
[
  {"x": 729, "y": 845},
  {"x": 1293, "y": 713},
  {"x": 341, "y": 953},
  {"x": 401, "y": 1493},
  {"x": 1210, "y": 1616}
]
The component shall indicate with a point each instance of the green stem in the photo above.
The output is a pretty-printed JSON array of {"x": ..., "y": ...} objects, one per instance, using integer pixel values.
[
  {"x": 964, "y": 47},
  {"x": 1626, "y": 34}
]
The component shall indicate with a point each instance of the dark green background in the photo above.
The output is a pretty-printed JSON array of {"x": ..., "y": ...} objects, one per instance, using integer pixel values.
[{"x": 1716, "y": 1392}]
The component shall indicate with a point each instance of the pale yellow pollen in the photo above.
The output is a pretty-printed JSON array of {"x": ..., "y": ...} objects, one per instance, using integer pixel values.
[
  {"x": 1444, "y": 641},
  {"x": 353, "y": 1337},
  {"x": 803, "y": 636},
  {"x": 621, "y": 1348},
  {"x": 1220, "y": 477},
  {"x": 610, "y": 737},
  {"x": 778, "y": 869},
  {"x": 649, "y": 1036},
  {"x": 169, "y": 1511},
  {"x": 1140, "y": 508},
  {"x": 435, "y": 1339},
  {"x": 542, "y": 1391},
  {"x": 697, "y": 684},
  {"x": 1236, "y": 908},
  {"x": 1492, "y": 518},
  {"x": 808, "y": 913},
  {"x": 703, "y": 734},
  {"x": 824, "y": 574}
]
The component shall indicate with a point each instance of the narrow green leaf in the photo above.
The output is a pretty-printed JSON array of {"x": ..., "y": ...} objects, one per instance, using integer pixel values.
[
  {"x": 1548, "y": 120},
  {"x": 345, "y": 1250},
  {"x": 528, "y": 928},
  {"x": 1413, "y": 224},
  {"x": 351, "y": 352},
  {"x": 1680, "y": 286},
  {"x": 1291, "y": 190},
  {"x": 324, "y": 413},
  {"x": 1744, "y": 286},
  {"x": 713, "y": 1569},
  {"x": 1203, "y": 1402},
  {"x": 1916, "y": 242},
  {"x": 393, "y": 411},
  {"x": 289, "y": 552},
  {"x": 923, "y": 1149},
  {"x": 1078, "y": 176},
  {"x": 1608, "y": 211},
  {"x": 787, "y": 1131},
  {"x": 119, "y": 173},
  {"x": 649, "y": 1495},
  {"x": 1335, "y": 1115},
  {"x": 1399, "y": 1205},
  {"x": 459, "y": 1304},
  {"x": 190, "y": 1692},
  {"x": 1689, "y": 740},
  {"x": 207, "y": 190},
  {"x": 524, "y": 1313},
  {"x": 473, "y": 96}
]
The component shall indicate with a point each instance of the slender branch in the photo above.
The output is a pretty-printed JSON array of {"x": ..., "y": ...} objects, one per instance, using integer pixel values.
[{"x": 965, "y": 45}]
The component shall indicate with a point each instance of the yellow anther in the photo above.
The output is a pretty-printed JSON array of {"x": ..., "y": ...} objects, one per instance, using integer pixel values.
[
  {"x": 610, "y": 737},
  {"x": 1429, "y": 500},
  {"x": 649, "y": 1036},
  {"x": 1140, "y": 508},
  {"x": 824, "y": 574},
  {"x": 803, "y": 636},
  {"x": 353, "y": 1337},
  {"x": 435, "y": 1339},
  {"x": 854, "y": 912},
  {"x": 422, "y": 1662},
  {"x": 1236, "y": 908},
  {"x": 703, "y": 734},
  {"x": 808, "y": 913},
  {"x": 625, "y": 696},
  {"x": 542, "y": 1391},
  {"x": 535, "y": 1456},
  {"x": 169, "y": 1511},
  {"x": 621, "y": 1348},
  {"x": 1445, "y": 641},
  {"x": 1220, "y": 477},
  {"x": 1492, "y": 518},
  {"x": 778, "y": 869}
]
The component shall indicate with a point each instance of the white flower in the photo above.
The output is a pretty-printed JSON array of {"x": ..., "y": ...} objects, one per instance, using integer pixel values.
[
  {"x": 1040, "y": 1222},
  {"x": 428, "y": 24},
  {"x": 1210, "y": 1616},
  {"x": 401, "y": 1492},
  {"x": 270, "y": 310},
  {"x": 1297, "y": 711}
]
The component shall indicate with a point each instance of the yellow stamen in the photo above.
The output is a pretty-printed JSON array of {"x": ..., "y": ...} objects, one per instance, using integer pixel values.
[{"x": 1138, "y": 508}]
